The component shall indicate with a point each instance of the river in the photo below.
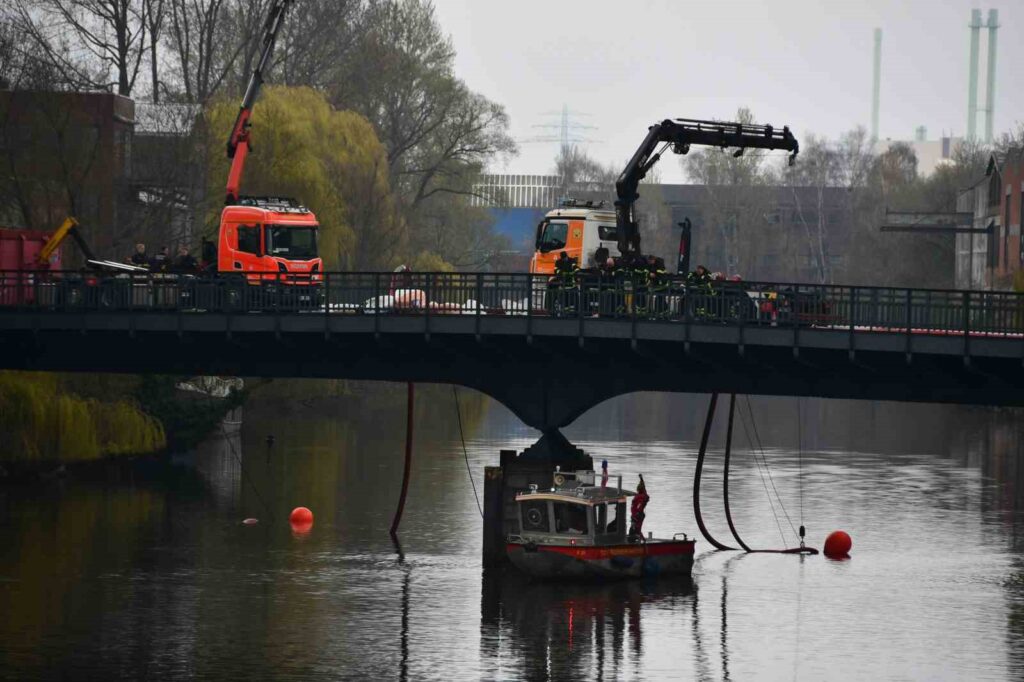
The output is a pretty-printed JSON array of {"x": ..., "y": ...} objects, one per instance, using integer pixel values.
[{"x": 149, "y": 573}]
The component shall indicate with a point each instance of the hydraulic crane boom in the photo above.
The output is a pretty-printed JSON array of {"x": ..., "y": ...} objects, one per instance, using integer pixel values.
[
  {"x": 681, "y": 133},
  {"x": 238, "y": 143}
]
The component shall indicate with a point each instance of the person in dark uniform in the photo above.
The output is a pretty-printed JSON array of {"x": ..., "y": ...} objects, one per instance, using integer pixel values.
[
  {"x": 564, "y": 282},
  {"x": 657, "y": 283},
  {"x": 185, "y": 262},
  {"x": 161, "y": 261},
  {"x": 139, "y": 257},
  {"x": 699, "y": 290}
]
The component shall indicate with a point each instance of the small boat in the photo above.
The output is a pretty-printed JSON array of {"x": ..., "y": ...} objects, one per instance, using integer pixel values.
[{"x": 578, "y": 530}]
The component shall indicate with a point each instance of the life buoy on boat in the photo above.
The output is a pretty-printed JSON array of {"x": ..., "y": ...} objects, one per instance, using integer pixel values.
[{"x": 559, "y": 479}]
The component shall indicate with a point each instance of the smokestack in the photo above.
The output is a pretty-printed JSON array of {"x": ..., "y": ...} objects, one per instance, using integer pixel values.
[
  {"x": 990, "y": 86},
  {"x": 972, "y": 77},
  {"x": 876, "y": 85}
]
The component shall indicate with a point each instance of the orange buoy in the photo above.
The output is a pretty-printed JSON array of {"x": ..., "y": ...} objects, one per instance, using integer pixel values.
[
  {"x": 300, "y": 528},
  {"x": 838, "y": 545},
  {"x": 301, "y": 515}
]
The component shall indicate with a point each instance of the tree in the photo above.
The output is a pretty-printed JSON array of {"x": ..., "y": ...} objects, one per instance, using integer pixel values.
[
  {"x": 203, "y": 45},
  {"x": 154, "y": 24},
  {"x": 579, "y": 173},
  {"x": 439, "y": 134},
  {"x": 100, "y": 43},
  {"x": 737, "y": 200},
  {"x": 329, "y": 159}
]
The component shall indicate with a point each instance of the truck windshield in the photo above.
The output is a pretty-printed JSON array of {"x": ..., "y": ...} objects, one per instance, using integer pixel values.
[
  {"x": 295, "y": 243},
  {"x": 553, "y": 237},
  {"x": 607, "y": 233}
]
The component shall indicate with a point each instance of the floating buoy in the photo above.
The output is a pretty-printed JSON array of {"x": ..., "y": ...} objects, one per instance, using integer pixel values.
[
  {"x": 838, "y": 545},
  {"x": 301, "y": 515},
  {"x": 250, "y": 521},
  {"x": 301, "y": 527}
]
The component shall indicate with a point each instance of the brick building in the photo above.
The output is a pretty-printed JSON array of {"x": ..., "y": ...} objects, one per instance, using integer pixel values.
[
  {"x": 994, "y": 258},
  {"x": 66, "y": 153}
]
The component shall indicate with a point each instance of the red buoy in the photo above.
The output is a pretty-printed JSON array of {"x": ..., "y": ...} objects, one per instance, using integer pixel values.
[
  {"x": 838, "y": 545},
  {"x": 301, "y": 515}
]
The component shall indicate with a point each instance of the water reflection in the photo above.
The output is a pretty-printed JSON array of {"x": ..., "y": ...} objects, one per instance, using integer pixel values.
[
  {"x": 564, "y": 631},
  {"x": 151, "y": 574}
]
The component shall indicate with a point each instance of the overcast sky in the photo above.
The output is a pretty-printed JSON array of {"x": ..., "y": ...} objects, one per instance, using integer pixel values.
[{"x": 628, "y": 63}]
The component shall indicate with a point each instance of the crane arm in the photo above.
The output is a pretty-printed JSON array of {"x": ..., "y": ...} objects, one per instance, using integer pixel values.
[
  {"x": 238, "y": 142},
  {"x": 681, "y": 133},
  {"x": 69, "y": 228}
]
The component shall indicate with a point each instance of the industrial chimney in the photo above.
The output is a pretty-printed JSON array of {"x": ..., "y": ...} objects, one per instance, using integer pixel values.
[
  {"x": 972, "y": 76},
  {"x": 990, "y": 87}
]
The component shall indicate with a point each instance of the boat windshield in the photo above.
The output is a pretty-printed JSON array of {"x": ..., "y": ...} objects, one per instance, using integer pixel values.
[
  {"x": 570, "y": 519},
  {"x": 293, "y": 243}
]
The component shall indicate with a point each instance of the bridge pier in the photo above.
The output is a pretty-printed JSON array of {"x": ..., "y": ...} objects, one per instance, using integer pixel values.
[{"x": 515, "y": 472}]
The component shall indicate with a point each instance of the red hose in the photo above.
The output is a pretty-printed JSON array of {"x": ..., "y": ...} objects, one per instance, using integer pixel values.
[{"x": 408, "y": 462}]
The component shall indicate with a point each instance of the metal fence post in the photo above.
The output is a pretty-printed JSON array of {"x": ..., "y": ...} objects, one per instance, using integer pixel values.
[{"x": 967, "y": 326}]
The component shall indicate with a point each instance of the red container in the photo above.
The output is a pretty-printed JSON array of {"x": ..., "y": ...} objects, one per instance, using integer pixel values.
[{"x": 19, "y": 260}]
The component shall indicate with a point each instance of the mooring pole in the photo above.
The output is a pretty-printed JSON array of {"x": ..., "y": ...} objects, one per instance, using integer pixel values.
[
  {"x": 408, "y": 461},
  {"x": 696, "y": 476}
]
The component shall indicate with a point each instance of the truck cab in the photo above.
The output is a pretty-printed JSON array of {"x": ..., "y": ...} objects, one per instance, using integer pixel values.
[
  {"x": 578, "y": 228},
  {"x": 269, "y": 238}
]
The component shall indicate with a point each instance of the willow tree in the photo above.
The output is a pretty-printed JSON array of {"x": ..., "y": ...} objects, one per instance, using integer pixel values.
[{"x": 329, "y": 160}]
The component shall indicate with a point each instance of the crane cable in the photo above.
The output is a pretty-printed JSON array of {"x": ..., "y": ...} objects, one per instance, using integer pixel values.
[
  {"x": 802, "y": 549},
  {"x": 767, "y": 469},
  {"x": 465, "y": 455}
]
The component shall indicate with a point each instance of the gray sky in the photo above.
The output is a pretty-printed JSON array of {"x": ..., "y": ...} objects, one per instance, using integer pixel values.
[{"x": 629, "y": 63}]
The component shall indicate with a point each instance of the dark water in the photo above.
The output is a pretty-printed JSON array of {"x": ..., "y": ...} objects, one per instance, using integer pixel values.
[{"x": 152, "y": 575}]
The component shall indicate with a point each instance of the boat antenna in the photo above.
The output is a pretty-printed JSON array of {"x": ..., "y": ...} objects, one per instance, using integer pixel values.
[{"x": 800, "y": 467}]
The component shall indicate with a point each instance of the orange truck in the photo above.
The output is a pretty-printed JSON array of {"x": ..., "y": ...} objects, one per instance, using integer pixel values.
[
  {"x": 266, "y": 241},
  {"x": 579, "y": 229}
]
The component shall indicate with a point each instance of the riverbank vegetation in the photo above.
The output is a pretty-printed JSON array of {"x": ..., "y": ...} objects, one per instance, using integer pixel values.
[{"x": 42, "y": 423}]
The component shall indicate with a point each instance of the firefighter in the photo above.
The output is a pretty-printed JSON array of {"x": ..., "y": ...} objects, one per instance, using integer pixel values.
[
  {"x": 658, "y": 283},
  {"x": 622, "y": 275},
  {"x": 698, "y": 285},
  {"x": 636, "y": 511},
  {"x": 564, "y": 282}
]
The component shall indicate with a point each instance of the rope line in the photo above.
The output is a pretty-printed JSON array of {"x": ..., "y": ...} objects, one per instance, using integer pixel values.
[
  {"x": 771, "y": 479},
  {"x": 800, "y": 457},
  {"x": 767, "y": 492},
  {"x": 465, "y": 455},
  {"x": 241, "y": 468}
]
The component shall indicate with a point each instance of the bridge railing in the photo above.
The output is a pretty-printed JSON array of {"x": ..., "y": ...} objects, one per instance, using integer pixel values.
[{"x": 667, "y": 299}]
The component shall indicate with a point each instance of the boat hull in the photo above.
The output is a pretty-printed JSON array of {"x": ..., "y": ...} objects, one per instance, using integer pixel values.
[{"x": 603, "y": 562}]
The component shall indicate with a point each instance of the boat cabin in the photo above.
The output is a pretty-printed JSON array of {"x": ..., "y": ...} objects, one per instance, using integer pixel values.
[{"x": 583, "y": 515}]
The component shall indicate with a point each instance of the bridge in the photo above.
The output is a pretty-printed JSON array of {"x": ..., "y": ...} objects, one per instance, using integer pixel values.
[{"x": 547, "y": 353}]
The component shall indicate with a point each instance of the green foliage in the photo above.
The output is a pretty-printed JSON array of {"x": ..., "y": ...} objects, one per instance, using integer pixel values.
[
  {"x": 330, "y": 160},
  {"x": 426, "y": 261},
  {"x": 39, "y": 423},
  {"x": 187, "y": 420}
]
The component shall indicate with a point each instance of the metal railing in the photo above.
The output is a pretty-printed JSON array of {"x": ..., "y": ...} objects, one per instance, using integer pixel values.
[{"x": 669, "y": 300}]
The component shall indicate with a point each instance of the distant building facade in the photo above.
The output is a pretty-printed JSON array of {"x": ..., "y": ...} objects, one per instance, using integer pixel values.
[
  {"x": 930, "y": 153},
  {"x": 993, "y": 256},
  {"x": 66, "y": 153},
  {"x": 125, "y": 170}
]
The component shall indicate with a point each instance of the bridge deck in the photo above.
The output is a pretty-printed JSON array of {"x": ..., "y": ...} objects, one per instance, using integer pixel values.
[{"x": 548, "y": 353}]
